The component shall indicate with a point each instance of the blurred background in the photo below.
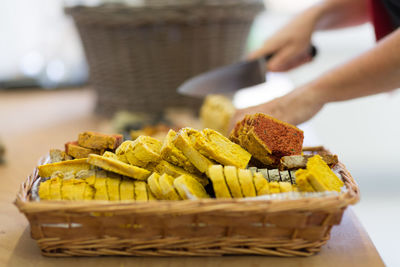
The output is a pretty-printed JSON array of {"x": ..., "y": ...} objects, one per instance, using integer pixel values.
[{"x": 40, "y": 48}]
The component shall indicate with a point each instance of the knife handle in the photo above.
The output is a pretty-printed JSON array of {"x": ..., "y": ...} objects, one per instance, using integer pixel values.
[{"x": 312, "y": 52}]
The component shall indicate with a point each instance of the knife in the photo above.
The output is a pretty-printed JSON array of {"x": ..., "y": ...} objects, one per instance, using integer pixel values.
[{"x": 231, "y": 78}]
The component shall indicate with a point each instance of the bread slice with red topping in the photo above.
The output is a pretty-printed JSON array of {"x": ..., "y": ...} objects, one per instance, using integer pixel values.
[{"x": 267, "y": 139}]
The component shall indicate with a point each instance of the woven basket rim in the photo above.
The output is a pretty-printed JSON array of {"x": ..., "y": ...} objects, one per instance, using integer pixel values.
[
  {"x": 232, "y": 206},
  {"x": 118, "y": 15},
  {"x": 174, "y": 4}
]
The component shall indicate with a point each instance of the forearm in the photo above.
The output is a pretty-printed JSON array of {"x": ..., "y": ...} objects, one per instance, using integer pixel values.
[
  {"x": 375, "y": 71},
  {"x": 334, "y": 14}
]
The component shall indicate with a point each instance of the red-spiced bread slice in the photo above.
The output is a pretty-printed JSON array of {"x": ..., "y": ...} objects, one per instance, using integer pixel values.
[{"x": 267, "y": 138}]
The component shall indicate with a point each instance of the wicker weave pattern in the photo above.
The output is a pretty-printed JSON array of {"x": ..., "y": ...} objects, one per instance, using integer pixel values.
[
  {"x": 208, "y": 227},
  {"x": 139, "y": 56}
]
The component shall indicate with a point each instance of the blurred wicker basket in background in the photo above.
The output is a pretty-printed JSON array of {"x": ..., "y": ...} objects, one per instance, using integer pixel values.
[{"x": 138, "y": 56}]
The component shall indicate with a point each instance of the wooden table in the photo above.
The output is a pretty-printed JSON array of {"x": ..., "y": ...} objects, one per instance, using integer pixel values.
[{"x": 32, "y": 122}]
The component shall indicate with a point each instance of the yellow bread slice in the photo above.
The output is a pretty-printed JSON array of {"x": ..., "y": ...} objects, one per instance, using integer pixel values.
[
  {"x": 55, "y": 188},
  {"x": 100, "y": 186},
  {"x": 89, "y": 192},
  {"x": 317, "y": 184},
  {"x": 141, "y": 191},
  {"x": 150, "y": 195},
  {"x": 127, "y": 189},
  {"x": 167, "y": 187},
  {"x": 216, "y": 174},
  {"x": 285, "y": 187},
  {"x": 260, "y": 182},
  {"x": 88, "y": 176},
  {"x": 74, "y": 166},
  {"x": 142, "y": 151},
  {"x": 219, "y": 148},
  {"x": 67, "y": 190},
  {"x": 113, "y": 183},
  {"x": 73, "y": 189},
  {"x": 264, "y": 190},
  {"x": 183, "y": 143},
  {"x": 216, "y": 113},
  {"x": 121, "y": 151},
  {"x": 169, "y": 152},
  {"x": 246, "y": 183},
  {"x": 44, "y": 190},
  {"x": 79, "y": 187},
  {"x": 274, "y": 188},
  {"x": 232, "y": 181},
  {"x": 119, "y": 167},
  {"x": 302, "y": 181},
  {"x": 321, "y": 176},
  {"x": 175, "y": 171},
  {"x": 154, "y": 185},
  {"x": 189, "y": 188},
  {"x": 109, "y": 154}
]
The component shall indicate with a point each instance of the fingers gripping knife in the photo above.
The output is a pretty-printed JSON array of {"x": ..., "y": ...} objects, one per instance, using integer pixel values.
[{"x": 230, "y": 78}]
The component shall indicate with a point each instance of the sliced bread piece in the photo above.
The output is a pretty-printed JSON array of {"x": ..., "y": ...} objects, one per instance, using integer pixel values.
[
  {"x": 189, "y": 188},
  {"x": 302, "y": 181},
  {"x": 219, "y": 148},
  {"x": 141, "y": 191},
  {"x": 109, "y": 154},
  {"x": 55, "y": 188},
  {"x": 300, "y": 161},
  {"x": 274, "y": 188},
  {"x": 76, "y": 151},
  {"x": 246, "y": 183},
  {"x": 167, "y": 187},
  {"x": 100, "y": 185},
  {"x": 232, "y": 181},
  {"x": 154, "y": 185},
  {"x": 260, "y": 182},
  {"x": 175, "y": 171},
  {"x": 320, "y": 173},
  {"x": 216, "y": 113},
  {"x": 119, "y": 167},
  {"x": 74, "y": 166},
  {"x": 216, "y": 175},
  {"x": 99, "y": 141},
  {"x": 183, "y": 143},
  {"x": 143, "y": 151},
  {"x": 285, "y": 187},
  {"x": 113, "y": 183},
  {"x": 267, "y": 138},
  {"x": 44, "y": 190},
  {"x": 170, "y": 153}
]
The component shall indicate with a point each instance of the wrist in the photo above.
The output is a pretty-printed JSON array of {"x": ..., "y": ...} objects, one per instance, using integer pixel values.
[
  {"x": 314, "y": 94},
  {"x": 315, "y": 13}
]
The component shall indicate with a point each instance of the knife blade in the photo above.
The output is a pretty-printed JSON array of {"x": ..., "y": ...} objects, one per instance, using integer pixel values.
[{"x": 231, "y": 78}]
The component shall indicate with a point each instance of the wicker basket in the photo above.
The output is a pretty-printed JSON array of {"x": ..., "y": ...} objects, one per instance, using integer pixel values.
[
  {"x": 138, "y": 56},
  {"x": 279, "y": 227}
]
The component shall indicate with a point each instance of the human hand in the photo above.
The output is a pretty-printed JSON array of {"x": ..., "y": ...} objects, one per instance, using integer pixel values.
[
  {"x": 296, "y": 107},
  {"x": 290, "y": 46}
]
